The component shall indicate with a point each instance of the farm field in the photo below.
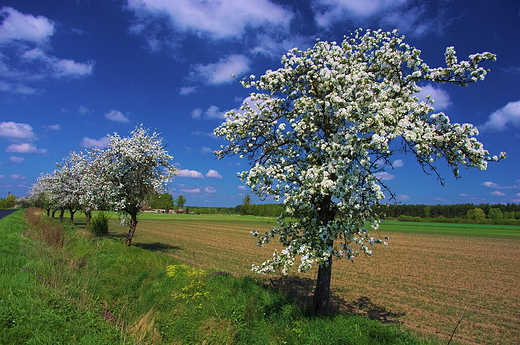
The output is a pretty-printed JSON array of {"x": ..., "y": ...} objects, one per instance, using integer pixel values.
[{"x": 430, "y": 277}]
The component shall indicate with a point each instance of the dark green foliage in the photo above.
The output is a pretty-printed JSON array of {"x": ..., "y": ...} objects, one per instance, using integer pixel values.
[
  {"x": 160, "y": 201},
  {"x": 99, "y": 224},
  {"x": 8, "y": 202}
]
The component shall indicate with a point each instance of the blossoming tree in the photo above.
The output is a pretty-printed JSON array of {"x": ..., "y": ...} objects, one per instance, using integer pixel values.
[
  {"x": 135, "y": 167},
  {"x": 322, "y": 128},
  {"x": 92, "y": 190}
]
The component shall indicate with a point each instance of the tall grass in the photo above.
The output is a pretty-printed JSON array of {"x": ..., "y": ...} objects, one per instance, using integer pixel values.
[{"x": 98, "y": 291}]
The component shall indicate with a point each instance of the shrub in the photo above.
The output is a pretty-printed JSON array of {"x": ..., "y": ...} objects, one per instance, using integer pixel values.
[{"x": 99, "y": 224}]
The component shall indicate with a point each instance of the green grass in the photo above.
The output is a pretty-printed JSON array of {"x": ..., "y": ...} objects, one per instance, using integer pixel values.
[{"x": 98, "y": 291}]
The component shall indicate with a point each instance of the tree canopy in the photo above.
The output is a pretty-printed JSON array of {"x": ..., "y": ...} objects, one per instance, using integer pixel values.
[{"x": 323, "y": 128}]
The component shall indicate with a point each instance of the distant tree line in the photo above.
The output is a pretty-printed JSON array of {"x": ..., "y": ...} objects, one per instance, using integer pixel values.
[
  {"x": 509, "y": 211},
  {"x": 469, "y": 213},
  {"x": 262, "y": 210}
]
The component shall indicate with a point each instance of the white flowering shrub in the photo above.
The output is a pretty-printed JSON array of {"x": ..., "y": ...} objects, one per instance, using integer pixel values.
[{"x": 323, "y": 126}]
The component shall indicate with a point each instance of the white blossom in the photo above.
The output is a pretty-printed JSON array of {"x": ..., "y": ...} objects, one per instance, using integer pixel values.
[{"x": 321, "y": 122}]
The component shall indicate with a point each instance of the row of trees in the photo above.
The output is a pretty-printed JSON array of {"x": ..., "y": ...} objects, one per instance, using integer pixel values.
[
  {"x": 119, "y": 178},
  {"x": 458, "y": 211}
]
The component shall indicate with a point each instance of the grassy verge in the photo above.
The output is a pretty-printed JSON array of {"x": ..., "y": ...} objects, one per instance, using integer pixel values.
[{"x": 61, "y": 285}]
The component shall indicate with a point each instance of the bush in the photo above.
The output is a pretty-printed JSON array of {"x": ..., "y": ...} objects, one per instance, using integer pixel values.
[{"x": 99, "y": 224}]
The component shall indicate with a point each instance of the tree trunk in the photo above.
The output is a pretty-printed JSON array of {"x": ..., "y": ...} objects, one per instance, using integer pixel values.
[
  {"x": 321, "y": 296},
  {"x": 133, "y": 225},
  {"x": 88, "y": 217},
  {"x": 62, "y": 213},
  {"x": 72, "y": 212}
]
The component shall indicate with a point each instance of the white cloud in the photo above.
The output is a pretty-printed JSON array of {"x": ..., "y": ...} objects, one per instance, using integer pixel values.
[
  {"x": 189, "y": 173},
  {"x": 403, "y": 197},
  {"x": 116, "y": 116},
  {"x": 205, "y": 149},
  {"x": 218, "y": 19},
  {"x": 205, "y": 134},
  {"x": 384, "y": 176},
  {"x": 196, "y": 113},
  {"x": 190, "y": 191},
  {"x": 25, "y": 40},
  {"x": 17, "y": 131},
  {"x": 497, "y": 193},
  {"x": 398, "y": 163},
  {"x": 24, "y": 27},
  {"x": 242, "y": 187},
  {"x": 101, "y": 142},
  {"x": 413, "y": 21},
  {"x": 58, "y": 67},
  {"x": 213, "y": 174},
  {"x": 17, "y": 177},
  {"x": 330, "y": 11},
  {"x": 222, "y": 71},
  {"x": 440, "y": 97},
  {"x": 212, "y": 112},
  {"x": 83, "y": 110},
  {"x": 187, "y": 90},
  {"x": 16, "y": 88},
  {"x": 500, "y": 119},
  {"x": 274, "y": 47},
  {"x": 494, "y": 185},
  {"x": 25, "y": 148},
  {"x": 210, "y": 190},
  {"x": 16, "y": 159},
  {"x": 55, "y": 127}
]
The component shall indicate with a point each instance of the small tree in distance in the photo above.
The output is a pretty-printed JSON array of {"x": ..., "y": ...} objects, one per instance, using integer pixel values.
[
  {"x": 476, "y": 214},
  {"x": 246, "y": 203},
  {"x": 322, "y": 129},
  {"x": 180, "y": 201}
]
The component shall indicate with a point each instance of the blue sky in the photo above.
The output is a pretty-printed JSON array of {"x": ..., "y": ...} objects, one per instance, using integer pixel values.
[{"x": 72, "y": 71}]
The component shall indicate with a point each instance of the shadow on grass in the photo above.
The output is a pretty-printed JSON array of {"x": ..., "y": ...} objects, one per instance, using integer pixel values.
[
  {"x": 300, "y": 291},
  {"x": 157, "y": 246},
  {"x": 154, "y": 247}
]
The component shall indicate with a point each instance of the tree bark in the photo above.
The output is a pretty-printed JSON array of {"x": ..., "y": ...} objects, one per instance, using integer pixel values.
[
  {"x": 88, "y": 217},
  {"x": 72, "y": 212},
  {"x": 321, "y": 296},
  {"x": 133, "y": 225}
]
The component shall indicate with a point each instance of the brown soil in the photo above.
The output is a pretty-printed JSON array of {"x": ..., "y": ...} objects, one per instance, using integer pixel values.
[{"x": 428, "y": 282}]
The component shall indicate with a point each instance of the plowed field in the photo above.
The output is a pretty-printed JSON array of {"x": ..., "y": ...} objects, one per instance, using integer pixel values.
[{"x": 429, "y": 278}]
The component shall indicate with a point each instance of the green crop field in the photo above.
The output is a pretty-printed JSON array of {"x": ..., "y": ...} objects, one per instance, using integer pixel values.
[{"x": 429, "y": 278}]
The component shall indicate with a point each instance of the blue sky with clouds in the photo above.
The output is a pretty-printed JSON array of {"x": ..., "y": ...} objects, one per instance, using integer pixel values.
[{"x": 72, "y": 71}]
